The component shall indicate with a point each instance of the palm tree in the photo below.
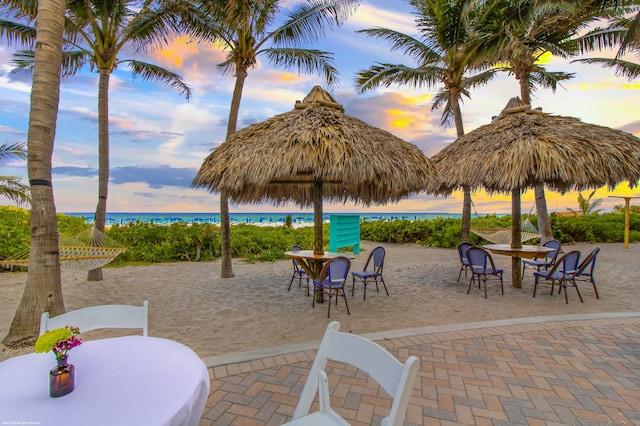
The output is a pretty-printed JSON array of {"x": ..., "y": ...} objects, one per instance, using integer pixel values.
[
  {"x": 243, "y": 27},
  {"x": 96, "y": 33},
  {"x": 519, "y": 34},
  {"x": 586, "y": 206},
  {"x": 43, "y": 289},
  {"x": 445, "y": 53},
  {"x": 10, "y": 186}
]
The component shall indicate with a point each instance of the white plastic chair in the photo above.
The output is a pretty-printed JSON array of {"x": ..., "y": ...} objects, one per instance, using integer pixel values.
[
  {"x": 395, "y": 378},
  {"x": 104, "y": 316}
]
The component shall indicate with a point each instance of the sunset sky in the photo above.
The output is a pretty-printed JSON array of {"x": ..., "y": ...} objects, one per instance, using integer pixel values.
[{"x": 159, "y": 140}]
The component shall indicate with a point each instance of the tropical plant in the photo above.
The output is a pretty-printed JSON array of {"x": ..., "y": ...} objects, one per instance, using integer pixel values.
[
  {"x": 98, "y": 33},
  {"x": 520, "y": 35},
  {"x": 587, "y": 207},
  {"x": 43, "y": 289},
  {"x": 445, "y": 53},
  {"x": 11, "y": 186},
  {"x": 244, "y": 28}
]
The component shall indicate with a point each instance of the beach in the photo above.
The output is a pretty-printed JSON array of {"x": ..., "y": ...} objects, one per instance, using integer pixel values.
[{"x": 190, "y": 303}]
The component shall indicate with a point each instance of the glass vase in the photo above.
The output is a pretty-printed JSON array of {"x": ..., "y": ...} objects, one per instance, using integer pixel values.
[{"x": 61, "y": 378}]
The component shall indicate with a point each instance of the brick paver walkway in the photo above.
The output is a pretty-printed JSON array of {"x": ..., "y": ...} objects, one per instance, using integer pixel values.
[{"x": 545, "y": 372}]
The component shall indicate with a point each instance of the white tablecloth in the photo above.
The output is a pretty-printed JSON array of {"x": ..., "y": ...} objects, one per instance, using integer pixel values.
[{"x": 131, "y": 380}]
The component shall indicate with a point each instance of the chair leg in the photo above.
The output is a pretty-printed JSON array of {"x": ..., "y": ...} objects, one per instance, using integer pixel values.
[
  {"x": 292, "y": 278},
  {"x": 385, "y": 286},
  {"x": 460, "y": 274},
  {"x": 329, "y": 305},
  {"x": 535, "y": 285},
  {"x": 353, "y": 285},
  {"x": 485, "y": 287},
  {"x": 364, "y": 282},
  {"x": 593, "y": 282},
  {"x": 471, "y": 281},
  {"x": 345, "y": 301},
  {"x": 307, "y": 285},
  {"x": 501, "y": 285},
  {"x": 563, "y": 284},
  {"x": 577, "y": 290}
]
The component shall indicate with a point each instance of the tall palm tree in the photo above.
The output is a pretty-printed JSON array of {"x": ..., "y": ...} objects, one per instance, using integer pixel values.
[
  {"x": 245, "y": 30},
  {"x": 96, "y": 33},
  {"x": 11, "y": 186},
  {"x": 445, "y": 53},
  {"x": 519, "y": 34},
  {"x": 43, "y": 289}
]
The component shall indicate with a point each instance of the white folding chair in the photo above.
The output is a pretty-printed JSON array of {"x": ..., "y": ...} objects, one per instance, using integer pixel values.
[
  {"x": 104, "y": 316},
  {"x": 394, "y": 377}
]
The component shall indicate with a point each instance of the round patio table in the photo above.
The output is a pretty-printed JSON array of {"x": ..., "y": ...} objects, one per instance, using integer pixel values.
[
  {"x": 312, "y": 263},
  {"x": 524, "y": 252}
]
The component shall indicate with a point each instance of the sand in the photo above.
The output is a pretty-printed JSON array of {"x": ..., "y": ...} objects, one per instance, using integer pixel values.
[{"x": 190, "y": 303}]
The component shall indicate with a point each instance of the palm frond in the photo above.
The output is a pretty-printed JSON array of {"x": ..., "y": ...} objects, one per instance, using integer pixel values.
[
  {"x": 549, "y": 79},
  {"x": 13, "y": 189},
  {"x": 627, "y": 69},
  {"x": 387, "y": 74},
  {"x": 307, "y": 60},
  {"x": 151, "y": 72},
  {"x": 16, "y": 150},
  {"x": 308, "y": 22},
  {"x": 408, "y": 44},
  {"x": 72, "y": 61},
  {"x": 17, "y": 33}
]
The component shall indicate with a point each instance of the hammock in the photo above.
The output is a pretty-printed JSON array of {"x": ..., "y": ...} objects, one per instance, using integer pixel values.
[
  {"x": 89, "y": 250},
  {"x": 503, "y": 236}
]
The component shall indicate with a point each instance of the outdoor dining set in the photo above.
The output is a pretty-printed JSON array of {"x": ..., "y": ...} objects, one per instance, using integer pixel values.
[{"x": 549, "y": 265}]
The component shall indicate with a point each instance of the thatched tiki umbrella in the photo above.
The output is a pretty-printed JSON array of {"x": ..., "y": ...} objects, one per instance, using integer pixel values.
[
  {"x": 524, "y": 147},
  {"x": 313, "y": 152}
]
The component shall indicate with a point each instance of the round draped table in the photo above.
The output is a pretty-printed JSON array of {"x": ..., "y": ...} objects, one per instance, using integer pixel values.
[{"x": 132, "y": 380}]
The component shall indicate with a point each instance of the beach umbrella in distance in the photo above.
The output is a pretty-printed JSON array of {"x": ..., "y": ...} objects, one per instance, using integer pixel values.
[
  {"x": 313, "y": 152},
  {"x": 523, "y": 147}
]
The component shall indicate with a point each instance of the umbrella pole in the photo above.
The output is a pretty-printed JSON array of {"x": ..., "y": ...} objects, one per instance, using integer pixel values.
[
  {"x": 516, "y": 241},
  {"x": 318, "y": 243}
]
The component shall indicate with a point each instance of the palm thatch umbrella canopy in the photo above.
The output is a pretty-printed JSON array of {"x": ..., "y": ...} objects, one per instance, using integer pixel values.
[
  {"x": 524, "y": 147},
  {"x": 313, "y": 152}
]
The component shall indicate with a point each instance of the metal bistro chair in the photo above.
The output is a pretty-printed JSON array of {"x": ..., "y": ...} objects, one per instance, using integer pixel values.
[
  {"x": 482, "y": 267},
  {"x": 563, "y": 272},
  {"x": 332, "y": 280},
  {"x": 545, "y": 262},
  {"x": 586, "y": 268},
  {"x": 366, "y": 276},
  {"x": 464, "y": 262},
  {"x": 298, "y": 271},
  {"x": 394, "y": 377}
]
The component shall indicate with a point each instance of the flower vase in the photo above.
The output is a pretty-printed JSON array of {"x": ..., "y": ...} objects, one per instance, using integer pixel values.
[{"x": 61, "y": 378}]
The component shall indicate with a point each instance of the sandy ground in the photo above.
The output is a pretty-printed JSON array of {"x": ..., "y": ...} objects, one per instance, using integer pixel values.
[{"x": 190, "y": 303}]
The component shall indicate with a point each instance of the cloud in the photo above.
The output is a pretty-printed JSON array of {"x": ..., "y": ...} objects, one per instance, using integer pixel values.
[{"x": 154, "y": 177}]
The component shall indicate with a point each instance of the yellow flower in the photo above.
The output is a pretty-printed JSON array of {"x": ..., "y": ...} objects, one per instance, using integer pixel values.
[{"x": 50, "y": 339}]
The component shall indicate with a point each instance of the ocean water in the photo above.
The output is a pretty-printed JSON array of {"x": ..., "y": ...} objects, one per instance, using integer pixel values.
[{"x": 248, "y": 218}]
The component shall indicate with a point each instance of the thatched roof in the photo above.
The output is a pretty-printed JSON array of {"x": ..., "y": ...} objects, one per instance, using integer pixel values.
[
  {"x": 278, "y": 160},
  {"x": 524, "y": 147}
]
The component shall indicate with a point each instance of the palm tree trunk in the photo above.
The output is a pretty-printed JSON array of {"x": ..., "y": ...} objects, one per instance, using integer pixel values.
[
  {"x": 43, "y": 289},
  {"x": 466, "y": 202},
  {"x": 103, "y": 163},
  {"x": 544, "y": 223},
  {"x": 226, "y": 269}
]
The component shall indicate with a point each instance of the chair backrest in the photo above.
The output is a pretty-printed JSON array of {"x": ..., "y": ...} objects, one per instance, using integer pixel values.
[
  {"x": 296, "y": 265},
  {"x": 552, "y": 255},
  {"x": 479, "y": 257},
  {"x": 588, "y": 262},
  {"x": 394, "y": 377},
  {"x": 462, "y": 250},
  {"x": 567, "y": 264},
  {"x": 377, "y": 255},
  {"x": 335, "y": 271},
  {"x": 96, "y": 317}
]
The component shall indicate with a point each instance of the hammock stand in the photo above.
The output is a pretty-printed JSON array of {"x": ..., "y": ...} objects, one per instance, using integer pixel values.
[
  {"x": 90, "y": 249},
  {"x": 503, "y": 235}
]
